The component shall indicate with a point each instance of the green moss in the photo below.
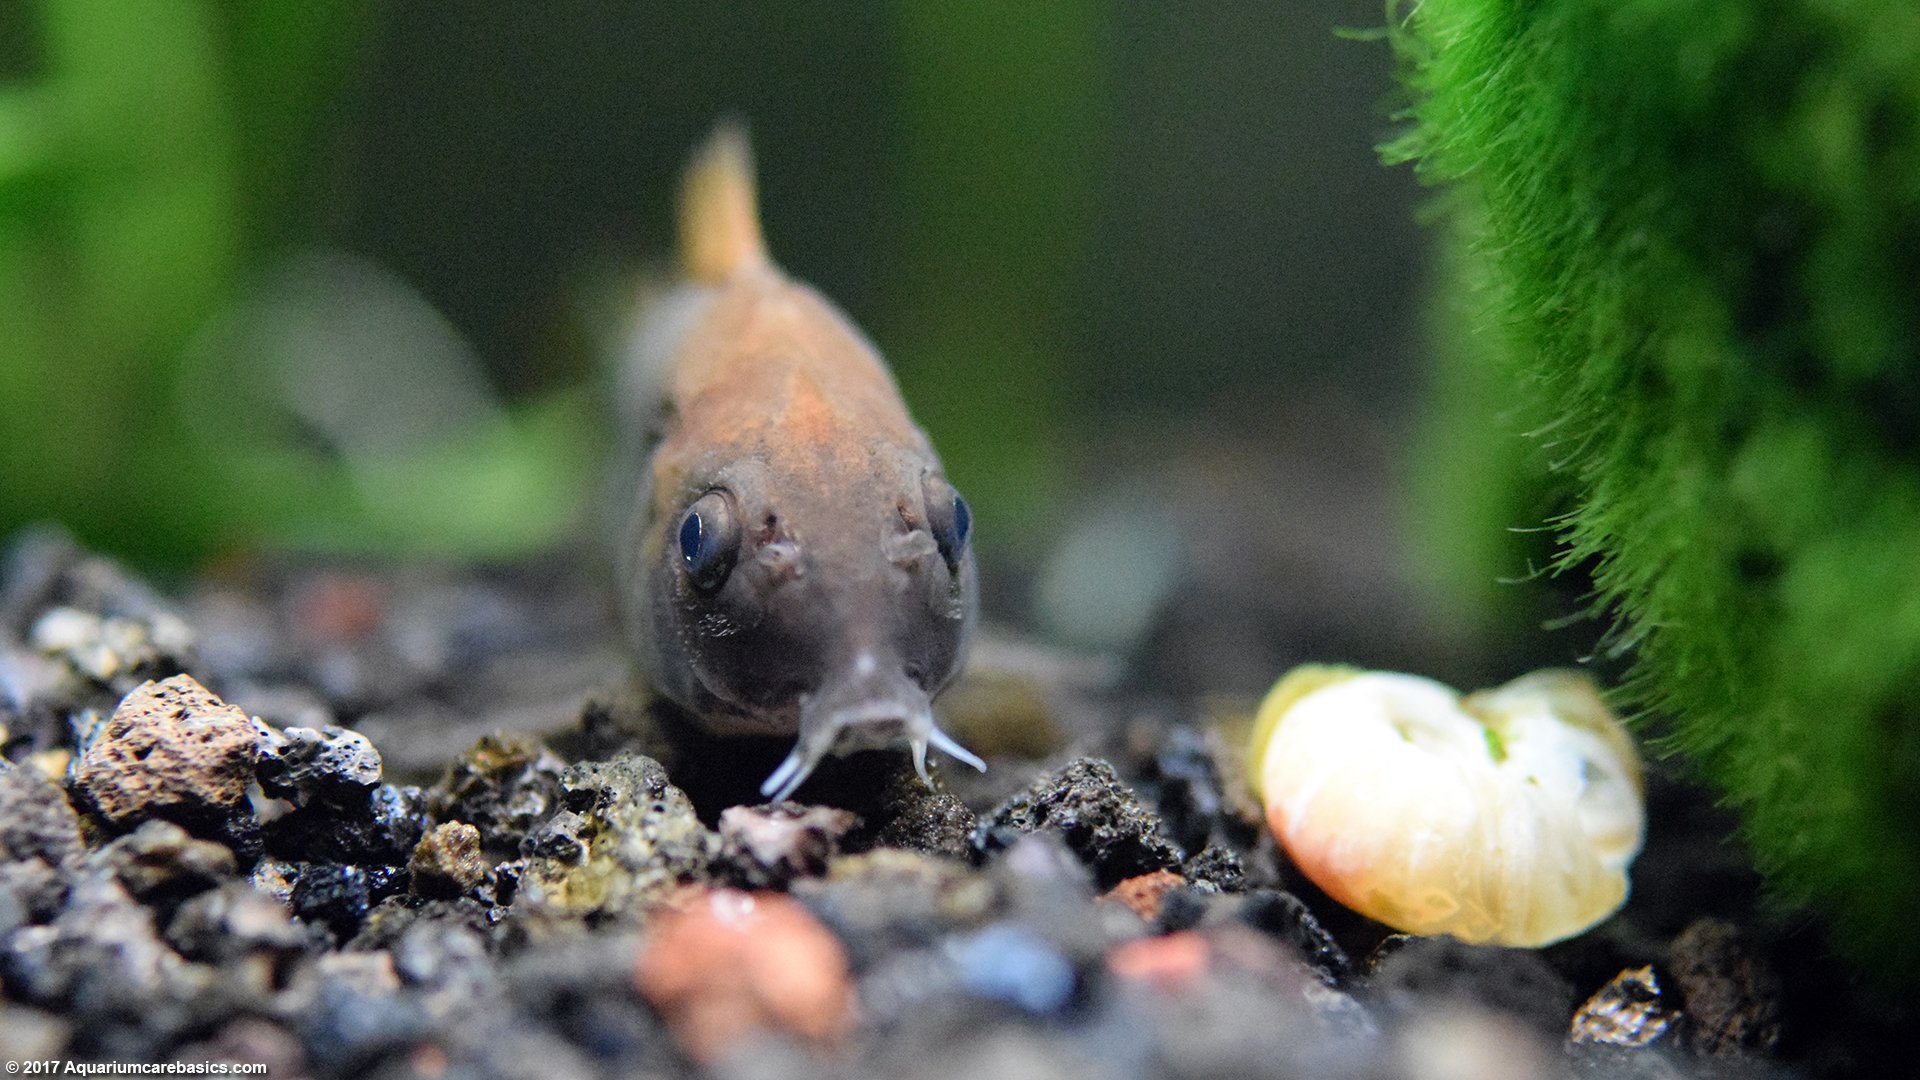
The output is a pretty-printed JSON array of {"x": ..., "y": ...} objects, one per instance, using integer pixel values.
[{"x": 1702, "y": 235}]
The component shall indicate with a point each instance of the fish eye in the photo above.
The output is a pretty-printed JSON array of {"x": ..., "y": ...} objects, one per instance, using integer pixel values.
[
  {"x": 949, "y": 519},
  {"x": 709, "y": 540}
]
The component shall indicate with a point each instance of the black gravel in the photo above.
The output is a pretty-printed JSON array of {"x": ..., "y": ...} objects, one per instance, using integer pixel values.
[{"x": 391, "y": 899}]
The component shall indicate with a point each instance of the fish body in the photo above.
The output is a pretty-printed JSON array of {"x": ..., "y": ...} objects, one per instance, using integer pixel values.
[{"x": 795, "y": 562}]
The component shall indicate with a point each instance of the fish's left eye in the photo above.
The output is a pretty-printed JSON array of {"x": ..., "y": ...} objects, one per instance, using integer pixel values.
[{"x": 949, "y": 519}]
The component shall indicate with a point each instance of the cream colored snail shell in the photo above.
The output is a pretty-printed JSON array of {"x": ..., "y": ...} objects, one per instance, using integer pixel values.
[{"x": 1507, "y": 817}]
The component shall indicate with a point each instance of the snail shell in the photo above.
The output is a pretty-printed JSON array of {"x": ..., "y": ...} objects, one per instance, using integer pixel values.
[{"x": 1507, "y": 817}]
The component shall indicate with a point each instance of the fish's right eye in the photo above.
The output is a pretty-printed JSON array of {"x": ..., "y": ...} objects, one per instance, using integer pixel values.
[{"x": 709, "y": 540}]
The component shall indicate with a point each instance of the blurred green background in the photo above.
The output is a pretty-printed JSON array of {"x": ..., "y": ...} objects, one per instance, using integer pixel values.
[{"x": 339, "y": 274}]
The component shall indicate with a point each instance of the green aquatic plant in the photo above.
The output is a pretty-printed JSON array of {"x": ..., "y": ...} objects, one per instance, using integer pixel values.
[
  {"x": 1699, "y": 226},
  {"x": 156, "y": 158}
]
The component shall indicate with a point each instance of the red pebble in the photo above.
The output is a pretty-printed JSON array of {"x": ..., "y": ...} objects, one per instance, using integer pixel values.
[
  {"x": 1172, "y": 962},
  {"x": 337, "y": 609},
  {"x": 1144, "y": 893},
  {"x": 727, "y": 963}
]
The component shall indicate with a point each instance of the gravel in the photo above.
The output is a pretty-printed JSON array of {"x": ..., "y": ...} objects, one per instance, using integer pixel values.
[{"x": 186, "y": 875}]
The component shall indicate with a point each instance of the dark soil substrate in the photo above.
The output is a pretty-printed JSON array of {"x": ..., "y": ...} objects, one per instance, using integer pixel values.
[{"x": 451, "y": 846}]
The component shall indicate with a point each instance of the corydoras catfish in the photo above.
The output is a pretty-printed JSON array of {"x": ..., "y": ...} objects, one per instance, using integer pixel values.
[{"x": 795, "y": 562}]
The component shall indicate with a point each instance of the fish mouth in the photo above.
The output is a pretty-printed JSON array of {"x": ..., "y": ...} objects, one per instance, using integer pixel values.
[{"x": 841, "y": 724}]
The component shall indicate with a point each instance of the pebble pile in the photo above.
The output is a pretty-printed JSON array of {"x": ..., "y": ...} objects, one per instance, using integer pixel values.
[{"x": 185, "y": 875}]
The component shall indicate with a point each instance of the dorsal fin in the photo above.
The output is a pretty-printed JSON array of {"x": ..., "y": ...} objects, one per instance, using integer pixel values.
[{"x": 719, "y": 212}]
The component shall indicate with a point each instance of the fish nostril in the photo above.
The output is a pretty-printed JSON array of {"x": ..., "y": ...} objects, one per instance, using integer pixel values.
[
  {"x": 781, "y": 561},
  {"x": 906, "y": 549}
]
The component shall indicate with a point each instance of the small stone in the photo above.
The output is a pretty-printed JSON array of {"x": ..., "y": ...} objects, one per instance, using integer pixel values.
[
  {"x": 301, "y": 762},
  {"x": 31, "y": 1035},
  {"x": 1730, "y": 998},
  {"x": 273, "y": 1048},
  {"x": 161, "y": 858},
  {"x": 106, "y": 648},
  {"x": 1215, "y": 869},
  {"x": 730, "y": 963},
  {"x": 1285, "y": 916},
  {"x": 1100, "y": 819},
  {"x": 632, "y": 840},
  {"x": 275, "y": 879},
  {"x": 369, "y": 973},
  {"x": 382, "y": 824},
  {"x": 1145, "y": 892},
  {"x": 36, "y": 821},
  {"x": 172, "y": 749},
  {"x": 51, "y": 764},
  {"x": 1414, "y": 974},
  {"x": 887, "y": 901},
  {"x": 100, "y": 952},
  {"x": 30, "y": 891},
  {"x": 1187, "y": 788},
  {"x": 448, "y": 862},
  {"x": 505, "y": 786},
  {"x": 1171, "y": 961},
  {"x": 444, "y": 955},
  {"x": 1013, "y": 965},
  {"x": 356, "y": 1013},
  {"x": 769, "y": 846},
  {"x": 234, "y": 920},
  {"x": 341, "y": 896},
  {"x": 919, "y": 818},
  {"x": 1463, "y": 1043},
  {"x": 1625, "y": 1012}
]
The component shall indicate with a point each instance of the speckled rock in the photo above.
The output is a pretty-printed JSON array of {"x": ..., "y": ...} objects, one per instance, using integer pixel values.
[
  {"x": 1730, "y": 997},
  {"x": 625, "y": 838},
  {"x": 728, "y": 963},
  {"x": 1628, "y": 1011},
  {"x": 1215, "y": 869},
  {"x": 172, "y": 750},
  {"x": 1099, "y": 818},
  {"x": 448, "y": 861},
  {"x": 301, "y": 763},
  {"x": 918, "y": 818},
  {"x": 381, "y": 824},
  {"x": 504, "y": 786},
  {"x": 765, "y": 847},
  {"x": 339, "y": 897}
]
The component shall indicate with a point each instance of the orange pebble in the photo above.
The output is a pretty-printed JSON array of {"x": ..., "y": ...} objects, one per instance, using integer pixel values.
[
  {"x": 1171, "y": 962},
  {"x": 1144, "y": 893},
  {"x": 733, "y": 962}
]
